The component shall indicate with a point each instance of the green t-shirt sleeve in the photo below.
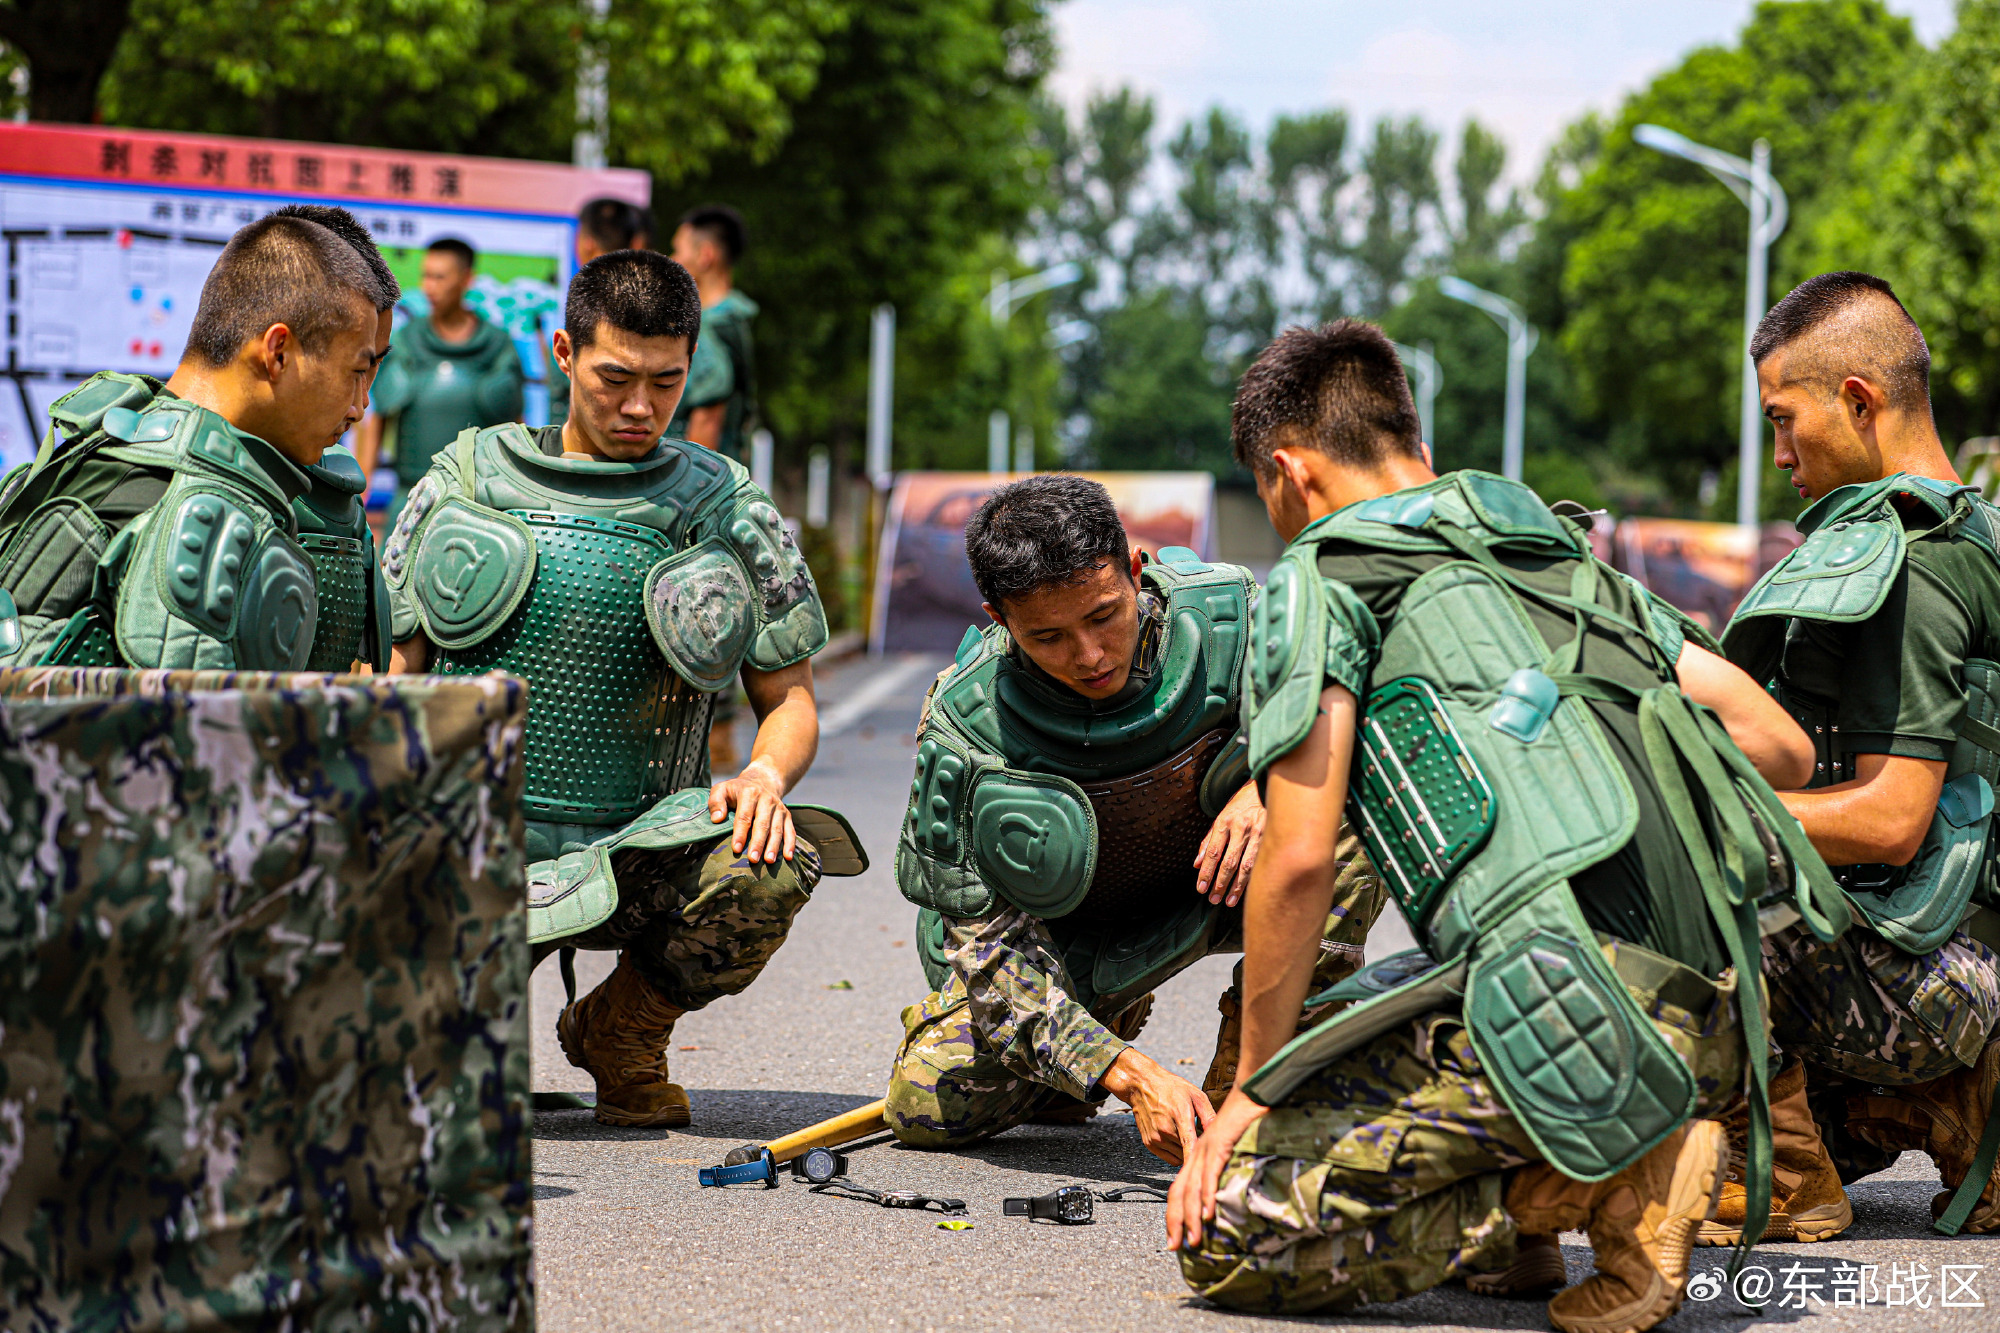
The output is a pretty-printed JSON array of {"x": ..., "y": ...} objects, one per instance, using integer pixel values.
[
  {"x": 1902, "y": 687},
  {"x": 711, "y": 374}
]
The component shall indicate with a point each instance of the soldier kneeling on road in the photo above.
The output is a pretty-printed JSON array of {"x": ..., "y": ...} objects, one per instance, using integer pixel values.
[{"x": 1081, "y": 829}]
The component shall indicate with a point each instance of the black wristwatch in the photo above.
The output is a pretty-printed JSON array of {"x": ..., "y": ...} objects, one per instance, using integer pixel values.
[
  {"x": 819, "y": 1165},
  {"x": 1070, "y": 1205}
]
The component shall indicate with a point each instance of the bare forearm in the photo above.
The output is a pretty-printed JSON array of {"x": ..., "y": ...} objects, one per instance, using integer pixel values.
[
  {"x": 1879, "y": 817},
  {"x": 1283, "y": 917},
  {"x": 787, "y": 722}
]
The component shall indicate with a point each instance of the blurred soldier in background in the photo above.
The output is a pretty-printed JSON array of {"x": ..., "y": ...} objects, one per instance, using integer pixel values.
[
  {"x": 156, "y": 526},
  {"x": 450, "y": 371},
  {"x": 721, "y": 395},
  {"x": 602, "y": 226}
]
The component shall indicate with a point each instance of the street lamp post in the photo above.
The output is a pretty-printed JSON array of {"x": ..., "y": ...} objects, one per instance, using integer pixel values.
[
  {"x": 1752, "y": 183},
  {"x": 1002, "y": 300},
  {"x": 1521, "y": 339},
  {"x": 1423, "y": 368}
]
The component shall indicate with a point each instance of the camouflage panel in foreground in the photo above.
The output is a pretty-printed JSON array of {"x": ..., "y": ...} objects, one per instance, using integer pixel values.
[{"x": 263, "y": 975}]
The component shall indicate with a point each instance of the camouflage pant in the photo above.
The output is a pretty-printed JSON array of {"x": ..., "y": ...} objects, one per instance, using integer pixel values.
[
  {"x": 1379, "y": 1178},
  {"x": 947, "y": 1089},
  {"x": 699, "y": 922},
  {"x": 1863, "y": 1008}
]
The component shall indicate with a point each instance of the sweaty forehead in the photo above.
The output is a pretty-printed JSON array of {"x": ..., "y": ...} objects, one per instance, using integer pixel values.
[
  {"x": 641, "y": 356},
  {"x": 1060, "y": 605}
]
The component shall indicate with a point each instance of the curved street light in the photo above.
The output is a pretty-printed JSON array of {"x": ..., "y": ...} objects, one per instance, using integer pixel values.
[
  {"x": 1769, "y": 210},
  {"x": 1423, "y": 368},
  {"x": 1002, "y": 300},
  {"x": 1521, "y": 339}
]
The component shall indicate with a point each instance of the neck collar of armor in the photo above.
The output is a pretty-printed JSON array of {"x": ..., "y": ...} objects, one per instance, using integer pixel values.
[
  {"x": 1940, "y": 498},
  {"x": 1046, "y": 689},
  {"x": 338, "y": 472},
  {"x": 541, "y": 451}
]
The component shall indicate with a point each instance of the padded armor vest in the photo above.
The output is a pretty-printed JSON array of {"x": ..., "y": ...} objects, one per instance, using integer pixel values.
[
  {"x": 1482, "y": 780},
  {"x": 212, "y": 576},
  {"x": 1085, "y": 813},
  {"x": 353, "y": 600},
  {"x": 1855, "y": 545},
  {"x": 624, "y": 593}
]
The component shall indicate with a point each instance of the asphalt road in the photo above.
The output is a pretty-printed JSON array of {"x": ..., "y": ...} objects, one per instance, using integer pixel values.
[{"x": 625, "y": 1239}]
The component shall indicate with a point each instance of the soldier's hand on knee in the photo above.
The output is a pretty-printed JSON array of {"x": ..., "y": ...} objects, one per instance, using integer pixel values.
[
  {"x": 764, "y": 830},
  {"x": 1191, "y": 1200},
  {"x": 1224, "y": 861}
]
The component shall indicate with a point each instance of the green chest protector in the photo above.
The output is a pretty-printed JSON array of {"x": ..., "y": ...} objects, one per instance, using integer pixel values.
[
  {"x": 1856, "y": 543},
  {"x": 626, "y": 594},
  {"x": 1482, "y": 781},
  {"x": 1085, "y": 814},
  {"x": 353, "y": 600},
  {"x": 211, "y": 577}
]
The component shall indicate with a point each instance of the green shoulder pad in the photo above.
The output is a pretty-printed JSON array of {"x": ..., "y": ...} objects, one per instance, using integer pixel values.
[
  {"x": 201, "y": 556},
  {"x": 417, "y": 506},
  {"x": 469, "y": 571},
  {"x": 932, "y": 868},
  {"x": 1218, "y": 598},
  {"x": 790, "y": 623},
  {"x": 81, "y": 411},
  {"x": 1842, "y": 573},
  {"x": 1306, "y": 631},
  {"x": 698, "y": 604}
]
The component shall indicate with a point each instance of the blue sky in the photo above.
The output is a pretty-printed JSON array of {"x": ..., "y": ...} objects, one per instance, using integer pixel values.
[{"x": 1523, "y": 69}]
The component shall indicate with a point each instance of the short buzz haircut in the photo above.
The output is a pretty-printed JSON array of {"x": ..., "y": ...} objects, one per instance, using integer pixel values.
[
  {"x": 1042, "y": 531},
  {"x": 640, "y": 291},
  {"x": 615, "y": 224},
  {"x": 1841, "y": 324},
  {"x": 1338, "y": 388},
  {"x": 721, "y": 224},
  {"x": 278, "y": 270},
  {"x": 348, "y": 228},
  {"x": 462, "y": 251}
]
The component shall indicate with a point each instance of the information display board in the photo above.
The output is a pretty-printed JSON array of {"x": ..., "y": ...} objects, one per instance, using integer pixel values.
[{"x": 110, "y": 234}]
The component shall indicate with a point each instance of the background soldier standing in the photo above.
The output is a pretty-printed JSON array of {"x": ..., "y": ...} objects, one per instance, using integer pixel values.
[
  {"x": 1537, "y": 793},
  {"x": 1881, "y": 634},
  {"x": 156, "y": 528},
  {"x": 451, "y": 370},
  {"x": 721, "y": 393},
  {"x": 628, "y": 578},
  {"x": 602, "y": 226},
  {"x": 1081, "y": 828}
]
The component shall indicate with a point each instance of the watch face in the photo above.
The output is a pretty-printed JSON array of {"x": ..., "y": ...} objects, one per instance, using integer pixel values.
[
  {"x": 1073, "y": 1204},
  {"x": 821, "y": 1166}
]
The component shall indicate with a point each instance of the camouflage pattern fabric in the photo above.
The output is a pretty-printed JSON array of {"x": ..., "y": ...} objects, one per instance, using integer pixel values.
[
  {"x": 1381, "y": 1176},
  {"x": 263, "y": 981},
  {"x": 1378, "y": 1179},
  {"x": 699, "y": 922},
  {"x": 979, "y": 1061},
  {"x": 1864, "y": 1008}
]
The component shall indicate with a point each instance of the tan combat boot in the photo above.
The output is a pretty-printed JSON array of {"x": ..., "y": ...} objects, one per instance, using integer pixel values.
[
  {"x": 1807, "y": 1202},
  {"x": 1221, "y": 1076},
  {"x": 1126, "y": 1026},
  {"x": 1945, "y": 1118},
  {"x": 618, "y": 1034},
  {"x": 1641, "y": 1224}
]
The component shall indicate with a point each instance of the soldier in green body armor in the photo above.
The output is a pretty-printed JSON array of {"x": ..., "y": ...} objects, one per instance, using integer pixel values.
[
  {"x": 628, "y": 578},
  {"x": 1881, "y": 634},
  {"x": 155, "y": 527},
  {"x": 333, "y": 512},
  {"x": 1579, "y": 846},
  {"x": 1080, "y": 828}
]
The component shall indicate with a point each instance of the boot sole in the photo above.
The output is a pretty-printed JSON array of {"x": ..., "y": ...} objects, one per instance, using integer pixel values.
[
  {"x": 1807, "y": 1228},
  {"x": 1696, "y": 1183},
  {"x": 674, "y": 1117}
]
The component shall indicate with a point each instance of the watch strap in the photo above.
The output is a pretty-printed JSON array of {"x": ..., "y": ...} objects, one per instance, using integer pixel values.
[{"x": 763, "y": 1170}]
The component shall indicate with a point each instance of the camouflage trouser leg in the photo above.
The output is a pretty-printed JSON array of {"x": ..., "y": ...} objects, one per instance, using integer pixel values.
[
  {"x": 1862, "y": 1007},
  {"x": 945, "y": 1090},
  {"x": 1377, "y": 1179},
  {"x": 700, "y": 922}
]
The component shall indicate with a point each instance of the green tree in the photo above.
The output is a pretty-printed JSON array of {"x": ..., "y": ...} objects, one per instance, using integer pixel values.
[
  {"x": 1921, "y": 208},
  {"x": 1650, "y": 249},
  {"x": 1481, "y": 227},
  {"x": 907, "y": 167},
  {"x": 1162, "y": 400},
  {"x": 1309, "y": 171},
  {"x": 67, "y": 45},
  {"x": 690, "y": 80},
  {"x": 1400, "y": 164}
]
